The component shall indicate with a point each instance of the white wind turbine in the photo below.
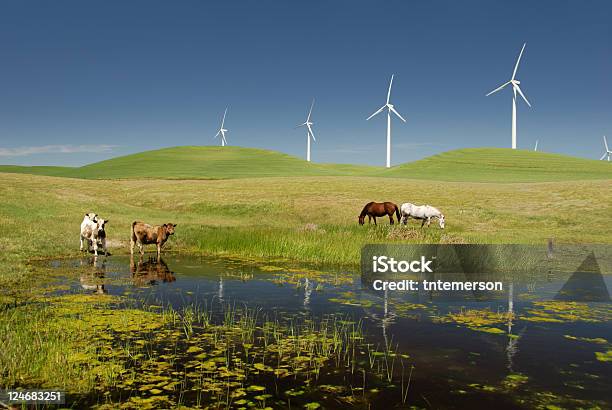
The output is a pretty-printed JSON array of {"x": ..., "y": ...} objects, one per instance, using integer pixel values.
[
  {"x": 309, "y": 133},
  {"x": 608, "y": 153},
  {"x": 390, "y": 109},
  {"x": 222, "y": 130},
  {"x": 515, "y": 88}
]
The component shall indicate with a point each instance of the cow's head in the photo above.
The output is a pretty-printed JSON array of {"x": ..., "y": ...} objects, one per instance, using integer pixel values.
[
  {"x": 93, "y": 217},
  {"x": 101, "y": 224},
  {"x": 169, "y": 228}
]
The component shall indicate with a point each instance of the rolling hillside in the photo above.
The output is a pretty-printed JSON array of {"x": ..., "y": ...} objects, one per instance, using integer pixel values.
[
  {"x": 194, "y": 162},
  {"x": 471, "y": 165},
  {"x": 502, "y": 165}
]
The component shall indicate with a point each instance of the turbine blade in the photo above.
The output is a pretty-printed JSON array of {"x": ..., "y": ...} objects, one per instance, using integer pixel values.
[
  {"x": 224, "y": 114},
  {"x": 217, "y": 134},
  {"x": 397, "y": 113},
  {"x": 517, "y": 88},
  {"x": 311, "y": 133},
  {"x": 603, "y": 156},
  {"x": 310, "y": 112},
  {"x": 518, "y": 61},
  {"x": 498, "y": 88},
  {"x": 606, "y": 143},
  {"x": 389, "y": 92},
  {"x": 377, "y": 112}
]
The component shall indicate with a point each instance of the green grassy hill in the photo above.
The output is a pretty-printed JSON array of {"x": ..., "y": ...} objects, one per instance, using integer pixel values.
[
  {"x": 502, "y": 165},
  {"x": 472, "y": 165},
  {"x": 194, "y": 162}
]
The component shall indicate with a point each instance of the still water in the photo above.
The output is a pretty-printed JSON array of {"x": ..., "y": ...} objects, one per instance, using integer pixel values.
[{"x": 525, "y": 347}]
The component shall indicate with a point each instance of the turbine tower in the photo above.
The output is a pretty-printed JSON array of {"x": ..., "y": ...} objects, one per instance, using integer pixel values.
[
  {"x": 309, "y": 133},
  {"x": 608, "y": 153},
  {"x": 222, "y": 130},
  {"x": 515, "y": 89},
  {"x": 535, "y": 148},
  {"x": 390, "y": 109}
]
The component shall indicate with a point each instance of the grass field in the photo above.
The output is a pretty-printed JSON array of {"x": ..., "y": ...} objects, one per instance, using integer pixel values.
[
  {"x": 310, "y": 219},
  {"x": 308, "y": 214},
  {"x": 472, "y": 165}
]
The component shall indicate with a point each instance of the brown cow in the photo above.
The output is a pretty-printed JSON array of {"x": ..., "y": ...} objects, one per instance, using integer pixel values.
[{"x": 145, "y": 234}]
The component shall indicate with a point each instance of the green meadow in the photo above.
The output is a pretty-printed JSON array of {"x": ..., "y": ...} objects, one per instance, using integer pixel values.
[{"x": 310, "y": 219}]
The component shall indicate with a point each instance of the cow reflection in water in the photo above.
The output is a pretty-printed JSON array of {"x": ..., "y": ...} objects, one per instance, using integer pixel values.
[
  {"x": 93, "y": 280},
  {"x": 150, "y": 272}
]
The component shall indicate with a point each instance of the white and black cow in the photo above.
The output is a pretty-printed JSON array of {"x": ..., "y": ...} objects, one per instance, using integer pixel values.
[{"x": 93, "y": 232}]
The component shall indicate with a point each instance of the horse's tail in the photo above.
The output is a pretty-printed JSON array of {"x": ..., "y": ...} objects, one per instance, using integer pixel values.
[{"x": 397, "y": 212}]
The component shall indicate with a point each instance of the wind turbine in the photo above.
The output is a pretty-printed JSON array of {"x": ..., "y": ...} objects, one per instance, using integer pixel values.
[
  {"x": 309, "y": 133},
  {"x": 608, "y": 153},
  {"x": 516, "y": 89},
  {"x": 222, "y": 130},
  {"x": 535, "y": 148},
  {"x": 390, "y": 109}
]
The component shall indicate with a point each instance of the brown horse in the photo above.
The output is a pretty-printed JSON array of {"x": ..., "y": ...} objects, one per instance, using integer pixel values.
[{"x": 375, "y": 209}]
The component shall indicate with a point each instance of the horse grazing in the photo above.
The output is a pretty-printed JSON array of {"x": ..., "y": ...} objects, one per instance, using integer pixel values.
[
  {"x": 375, "y": 209},
  {"x": 424, "y": 212}
]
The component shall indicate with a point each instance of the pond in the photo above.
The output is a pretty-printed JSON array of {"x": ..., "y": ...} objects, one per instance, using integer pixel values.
[{"x": 239, "y": 334}]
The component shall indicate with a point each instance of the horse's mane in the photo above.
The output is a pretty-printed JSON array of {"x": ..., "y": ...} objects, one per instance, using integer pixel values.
[{"x": 365, "y": 209}]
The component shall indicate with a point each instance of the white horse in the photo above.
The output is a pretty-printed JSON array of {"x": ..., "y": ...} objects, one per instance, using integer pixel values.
[{"x": 423, "y": 212}]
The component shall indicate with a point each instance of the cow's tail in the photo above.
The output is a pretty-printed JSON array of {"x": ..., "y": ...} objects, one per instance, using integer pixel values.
[{"x": 132, "y": 233}]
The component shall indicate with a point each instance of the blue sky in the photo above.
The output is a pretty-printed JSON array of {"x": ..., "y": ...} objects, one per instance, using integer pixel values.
[{"x": 85, "y": 81}]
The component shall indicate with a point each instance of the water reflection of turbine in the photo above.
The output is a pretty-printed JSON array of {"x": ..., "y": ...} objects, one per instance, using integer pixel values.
[
  {"x": 387, "y": 318},
  {"x": 512, "y": 348},
  {"x": 513, "y": 340},
  {"x": 510, "y": 306},
  {"x": 94, "y": 281},
  {"x": 307, "y": 292},
  {"x": 220, "y": 290}
]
